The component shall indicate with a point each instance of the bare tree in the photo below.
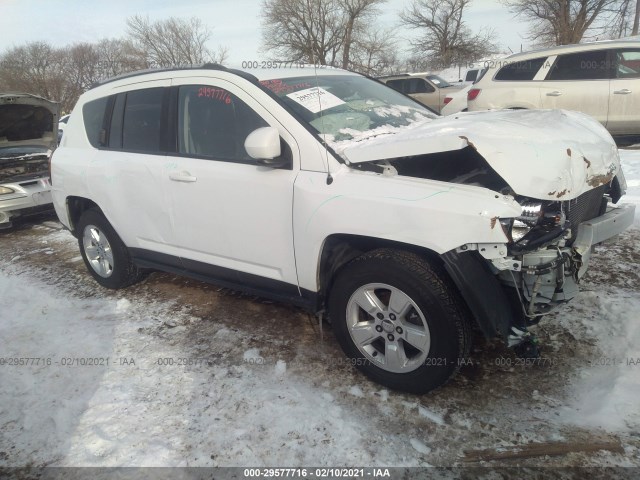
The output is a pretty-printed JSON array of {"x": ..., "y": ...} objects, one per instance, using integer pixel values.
[
  {"x": 444, "y": 37},
  {"x": 316, "y": 31},
  {"x": 63, "y": 74},
  {"x": 626, "y": 16},
  {"x": 36, "y": 68},
  {"x": 375, "y": 53},
  {"x": 171, "y": 42},
  {"x": 117, "y": 56},
  {"x": 308, "y": 31},
  {"x": 561, "y": 22},
  {"x": 356, "y": 13},
  {"x": 84, "y": 63}
]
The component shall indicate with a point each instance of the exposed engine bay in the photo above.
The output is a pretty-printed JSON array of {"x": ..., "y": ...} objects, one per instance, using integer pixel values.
[
  {"x": 28, "y": 136},
  {"x": 19, "y": 167},
  {"x": 543, "y": 261}
]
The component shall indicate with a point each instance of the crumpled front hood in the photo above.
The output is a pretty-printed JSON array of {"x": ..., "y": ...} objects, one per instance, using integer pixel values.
[
  {"x": 28, "y": 120},
  {"x": 543, "y": 154}
]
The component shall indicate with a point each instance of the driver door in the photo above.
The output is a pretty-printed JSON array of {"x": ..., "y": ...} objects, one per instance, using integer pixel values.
[{"x": 232, "y": 218}]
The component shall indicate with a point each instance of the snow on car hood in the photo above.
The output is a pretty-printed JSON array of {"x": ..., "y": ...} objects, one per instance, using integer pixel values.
[
  {"x": 28, "y": 120},
  {"x": 544, "y": 154}
]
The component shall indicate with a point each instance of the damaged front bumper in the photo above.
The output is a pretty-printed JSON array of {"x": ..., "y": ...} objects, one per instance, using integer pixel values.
[
  {"x": 548, "y": 277},
  {"x": 508, "y": 293}
]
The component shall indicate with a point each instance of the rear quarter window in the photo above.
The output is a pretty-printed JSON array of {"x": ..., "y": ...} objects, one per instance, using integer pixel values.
[
  {"x": 593, "y": 65},
  {"x": 93, "y": 114},
  {"x": 520, "y": 71}
]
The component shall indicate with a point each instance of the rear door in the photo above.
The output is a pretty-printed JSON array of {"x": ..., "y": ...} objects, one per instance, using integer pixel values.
[
  {"x": 125, "y": 176},
  {"x": 624, "y": 101},
  {"x": 579, "y": 81}
]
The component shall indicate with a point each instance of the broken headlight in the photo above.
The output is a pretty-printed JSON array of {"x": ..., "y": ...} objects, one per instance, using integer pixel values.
[
  {"x": 529, "y": 218},
  {"x": 539, "y": 223}
]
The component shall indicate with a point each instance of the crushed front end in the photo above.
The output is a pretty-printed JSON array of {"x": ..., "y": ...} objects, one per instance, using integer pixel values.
[{"x": 548, "y": 252}]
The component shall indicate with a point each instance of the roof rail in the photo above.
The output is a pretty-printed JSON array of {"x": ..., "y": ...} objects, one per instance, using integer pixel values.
[
  {"x": 205, "y": 66},
  {"x": 396, "y": 75}
]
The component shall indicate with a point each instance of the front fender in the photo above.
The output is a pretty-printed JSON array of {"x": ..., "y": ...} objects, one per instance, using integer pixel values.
[{"x": 434, "y": 215}]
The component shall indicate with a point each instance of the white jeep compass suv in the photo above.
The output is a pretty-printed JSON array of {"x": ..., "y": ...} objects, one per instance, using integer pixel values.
[{"x": 329, "y": 190}]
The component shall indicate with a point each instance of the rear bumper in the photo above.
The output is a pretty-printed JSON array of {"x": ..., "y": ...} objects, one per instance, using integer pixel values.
[{"x": 27, "y": 195}]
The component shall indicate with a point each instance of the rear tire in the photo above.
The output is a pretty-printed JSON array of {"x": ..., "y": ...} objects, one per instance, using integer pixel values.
[
  {"x": 105, "y": 255},
  {"x": 399, "y": 319}
]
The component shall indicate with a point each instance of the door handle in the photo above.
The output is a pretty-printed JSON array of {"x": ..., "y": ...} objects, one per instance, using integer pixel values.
[
  {"x": 182, "y": 177},
  {"x": 554, "y": 94},
  {"x": 624, "y": 91}
]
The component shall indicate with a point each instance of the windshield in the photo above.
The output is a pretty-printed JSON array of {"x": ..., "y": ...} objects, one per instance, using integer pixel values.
[
  {"x": 348, "y": 108},
  {"x": 438, "y": 81}
]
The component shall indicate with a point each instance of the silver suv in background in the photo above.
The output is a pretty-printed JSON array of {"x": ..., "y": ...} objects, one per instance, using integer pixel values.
[
  {"x": 601, "y": 79},
  {"x": 28, "y": 136}
]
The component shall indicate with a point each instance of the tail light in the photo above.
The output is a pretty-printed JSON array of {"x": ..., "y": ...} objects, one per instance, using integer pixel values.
[
  {"x": 473, "y": 94},
  {"x": 447, "y": 100}
]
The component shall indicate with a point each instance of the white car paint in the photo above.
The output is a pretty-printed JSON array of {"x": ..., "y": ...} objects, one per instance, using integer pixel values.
[
  {"x": 273, "y": 223},
  {"x": 555, "y": 159}
]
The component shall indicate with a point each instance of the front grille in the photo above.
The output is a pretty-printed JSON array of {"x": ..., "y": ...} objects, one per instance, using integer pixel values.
[{"x": 583, "y": 208}]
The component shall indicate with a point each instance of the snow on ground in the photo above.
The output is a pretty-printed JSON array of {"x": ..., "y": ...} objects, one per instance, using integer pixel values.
[
  {"x": 607, "y": 394},
  {"x": 201, "y": 376},
  {"x": 140, "y": 410},
  {"x": 630, "y": 160}
]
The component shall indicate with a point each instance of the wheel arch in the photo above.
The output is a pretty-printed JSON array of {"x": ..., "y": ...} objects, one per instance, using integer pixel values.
[
  {"x": 488, "y": 303},
  {"x": 340, "y": 248},
  {"x": 76, "y": 206}
]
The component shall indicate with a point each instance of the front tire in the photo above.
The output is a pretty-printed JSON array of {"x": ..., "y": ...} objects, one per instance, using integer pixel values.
[
  {"x": 104, "y": 254},
  {"x": 400, "y": 320}
]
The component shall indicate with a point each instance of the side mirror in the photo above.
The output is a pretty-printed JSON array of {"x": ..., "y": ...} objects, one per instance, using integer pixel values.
[{"x": 263, "y": 144}]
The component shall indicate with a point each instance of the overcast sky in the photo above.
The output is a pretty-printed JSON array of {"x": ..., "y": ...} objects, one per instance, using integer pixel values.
[{"x": 235, "y": 23}]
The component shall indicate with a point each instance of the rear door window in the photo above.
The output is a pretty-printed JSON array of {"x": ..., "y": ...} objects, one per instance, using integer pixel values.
[
  {"x": 142, "y": 121},
  {"x": 593, "y": 65}
]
